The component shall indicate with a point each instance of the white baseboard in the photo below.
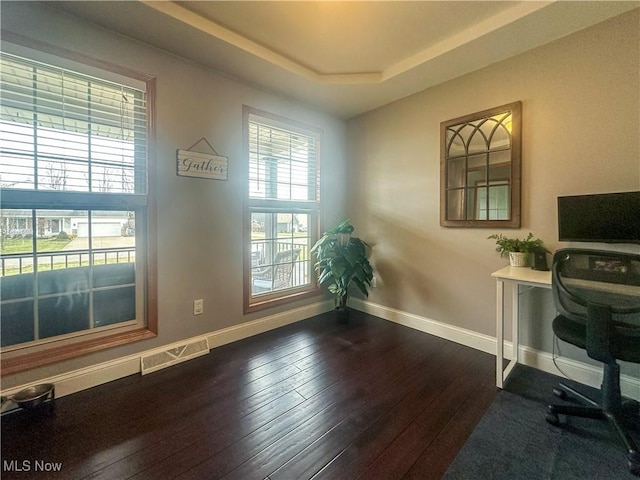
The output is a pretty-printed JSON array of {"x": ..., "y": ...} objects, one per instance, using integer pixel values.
[
  {"x": 580, "y": 372},
  {"x": 94, "y": 375},
  {"x": 77, "y": 380},
  {"x": 469, "y": 338},
  {"x": 261, "y": 325},
  {"x": 564, "y": 367}
]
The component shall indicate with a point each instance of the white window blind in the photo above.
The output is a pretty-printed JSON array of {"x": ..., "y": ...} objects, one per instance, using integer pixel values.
[
  {"x": 64, "y": 131},
  {"x": 282, "y": 164}
]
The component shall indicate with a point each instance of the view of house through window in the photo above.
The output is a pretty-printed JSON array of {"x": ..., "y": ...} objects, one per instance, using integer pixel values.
[
  {"x": 73, "y": 173},
  {"x": 58, "y": 278},
  {"x": 283, "y": 207}
]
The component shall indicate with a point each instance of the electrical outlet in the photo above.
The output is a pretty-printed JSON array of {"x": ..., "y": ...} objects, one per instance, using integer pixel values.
[
  {"x": 374, "y": 282},
  {"x": 198, "y": 307}
]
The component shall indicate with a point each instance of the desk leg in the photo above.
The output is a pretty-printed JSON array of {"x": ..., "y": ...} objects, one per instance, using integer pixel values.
[
  {"x": 515, "y": 339},
  {"x": 503, "y": 374},
  {"x": 499, "y": 330}
]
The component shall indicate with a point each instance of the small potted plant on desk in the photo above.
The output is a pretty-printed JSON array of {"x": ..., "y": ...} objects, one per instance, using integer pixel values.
[
  {"x": 519, "y": 251},
  {"x": 341, "y": 262}
]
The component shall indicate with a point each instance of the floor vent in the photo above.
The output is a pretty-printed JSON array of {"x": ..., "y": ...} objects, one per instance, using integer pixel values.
[{"x": 161, "y": 359}]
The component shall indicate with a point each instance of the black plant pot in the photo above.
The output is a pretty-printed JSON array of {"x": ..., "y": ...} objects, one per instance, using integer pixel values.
[{"x": 342, "y": 315}]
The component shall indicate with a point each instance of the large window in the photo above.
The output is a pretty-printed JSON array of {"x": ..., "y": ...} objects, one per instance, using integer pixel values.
[
  {"x": 282, "y": 209},
  {"x": 75, "y": 213}
]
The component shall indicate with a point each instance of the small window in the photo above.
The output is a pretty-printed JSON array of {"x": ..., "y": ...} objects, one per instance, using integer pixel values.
[
  {"x": 282, "y": 207},
  {"x": 75, "y": 212}
]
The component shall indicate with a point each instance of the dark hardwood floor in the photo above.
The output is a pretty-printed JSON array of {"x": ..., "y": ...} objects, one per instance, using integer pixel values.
[{"x": 368, "y": 400}]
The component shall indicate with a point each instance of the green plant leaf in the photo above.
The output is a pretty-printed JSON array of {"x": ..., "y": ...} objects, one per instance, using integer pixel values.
[
  {"x": 338, "y": 265},
  {"x": 505, "y": 245},
  {"x": 325, "y": 277},
  {"x": 361, "y": 286},
  {"x": 351, "y": 255},
  {"x": 344, "y": 227}
]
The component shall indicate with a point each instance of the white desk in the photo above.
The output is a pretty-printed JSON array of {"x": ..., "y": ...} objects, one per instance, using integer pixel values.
[{"x": 517, "y": 276}]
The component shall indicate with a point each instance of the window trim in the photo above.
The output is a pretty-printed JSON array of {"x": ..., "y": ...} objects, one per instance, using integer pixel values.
[
  {"x": 52, "y": 352},
  {"x": 251, "y": 304}
]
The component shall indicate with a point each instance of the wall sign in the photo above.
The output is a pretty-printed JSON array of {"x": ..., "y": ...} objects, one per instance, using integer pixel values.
[{"x": 201, "y": 165}]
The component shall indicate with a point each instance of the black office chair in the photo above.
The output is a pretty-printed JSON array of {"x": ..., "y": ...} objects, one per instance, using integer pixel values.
[{"x": 597, "y": 294}]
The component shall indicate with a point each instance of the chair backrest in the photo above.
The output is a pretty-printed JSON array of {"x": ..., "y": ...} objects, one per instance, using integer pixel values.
[
  {"x": 283, "y": 264},
  {"x": 286, "y": 256},
  {"x": 600, "y": 289}
]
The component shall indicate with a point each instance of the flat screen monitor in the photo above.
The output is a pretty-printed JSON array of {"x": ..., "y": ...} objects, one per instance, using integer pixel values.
[{"x": 607, "y": 217}]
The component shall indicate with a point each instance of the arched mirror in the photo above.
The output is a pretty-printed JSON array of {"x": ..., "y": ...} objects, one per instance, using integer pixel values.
[{"x": 480, "y": 169}]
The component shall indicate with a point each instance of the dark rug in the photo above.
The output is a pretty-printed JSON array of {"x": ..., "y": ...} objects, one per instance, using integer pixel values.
[{"x": 513, "y": 440}]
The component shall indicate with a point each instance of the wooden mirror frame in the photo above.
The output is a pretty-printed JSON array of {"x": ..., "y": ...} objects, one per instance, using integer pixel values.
[{"x": 473, "y": 123}]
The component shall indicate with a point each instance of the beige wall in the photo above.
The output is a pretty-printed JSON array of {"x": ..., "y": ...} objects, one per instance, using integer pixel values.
[
  {"x": 200, "y": 221},
  {"x": 581, "y": 134}
]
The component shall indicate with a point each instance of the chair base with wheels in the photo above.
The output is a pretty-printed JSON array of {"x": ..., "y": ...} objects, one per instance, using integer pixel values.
[
  {"x": 616, "y": 412},
  {"x": 597, "y": 294}
]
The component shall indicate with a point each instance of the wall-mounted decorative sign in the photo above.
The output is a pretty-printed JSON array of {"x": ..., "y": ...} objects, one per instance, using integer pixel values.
[{"x": 201, "y": 165}]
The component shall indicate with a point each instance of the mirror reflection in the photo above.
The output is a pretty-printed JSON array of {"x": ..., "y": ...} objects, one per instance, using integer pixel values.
[{"x": 480, "y": 169}]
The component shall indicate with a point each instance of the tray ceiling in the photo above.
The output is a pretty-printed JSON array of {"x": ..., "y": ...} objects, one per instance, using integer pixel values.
[{"x": 345, "y": 58}]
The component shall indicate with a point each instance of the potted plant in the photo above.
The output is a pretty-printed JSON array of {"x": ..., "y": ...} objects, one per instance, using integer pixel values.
[
  {"x": 342, "y": 262},
  {"x": 519, "y": 251}
]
